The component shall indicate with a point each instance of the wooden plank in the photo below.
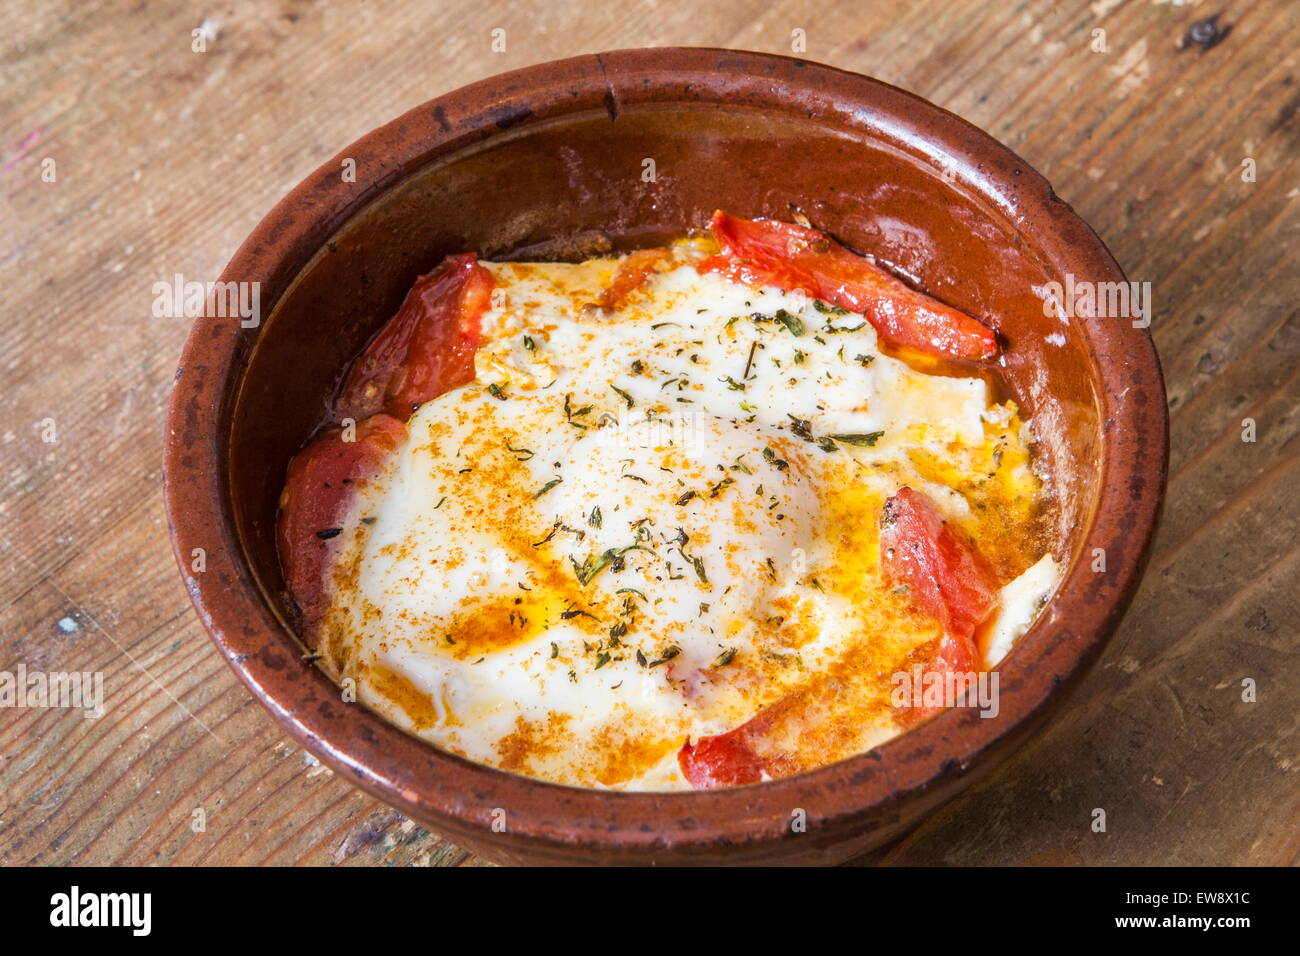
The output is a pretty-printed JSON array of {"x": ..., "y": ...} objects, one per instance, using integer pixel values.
[{"x": 166, "y": 158}]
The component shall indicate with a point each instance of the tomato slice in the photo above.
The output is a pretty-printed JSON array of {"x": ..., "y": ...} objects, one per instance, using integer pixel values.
[
  {"x": 427, "y": 348},
  {"x": 948, "y": 579},
  {"x": 954, "y": 655},
  {"x": 632, "y": 273},
  {"x": 725, "y": 760},
  {"x": 318, "y": 491},
  {"x": 769, "y": 253}
]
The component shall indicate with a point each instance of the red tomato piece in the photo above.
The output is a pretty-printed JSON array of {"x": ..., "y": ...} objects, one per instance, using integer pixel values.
[
  {"x": 770, "y": 253},
  {"x": 724, "y": 760},
  {"x": 948, "y": 579},
  {"x": 632, "y": 273},
  {"x": 954, "y": 656},
  {"x": 318, "y": 492},
  {"x": 427, "y": 348}
]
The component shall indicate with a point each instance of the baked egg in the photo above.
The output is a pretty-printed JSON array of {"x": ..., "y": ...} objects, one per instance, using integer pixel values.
[{"x": 664, "y": 510}]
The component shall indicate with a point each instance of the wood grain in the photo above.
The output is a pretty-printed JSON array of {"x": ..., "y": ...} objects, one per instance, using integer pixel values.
[{"x": 165, "y": 158}]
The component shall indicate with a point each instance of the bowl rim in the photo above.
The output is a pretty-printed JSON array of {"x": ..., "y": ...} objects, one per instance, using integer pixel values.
[{"x": 463, "y": 799}]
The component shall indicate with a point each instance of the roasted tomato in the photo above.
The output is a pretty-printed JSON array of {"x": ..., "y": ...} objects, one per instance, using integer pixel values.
[
  {"x": 318, "y": 491},
  {"x": 945, "y": 576},
  {"x": 427, "y": 348},
  {"x": 632, "y": 273},
  {"x": 725, "y": 760},
  {"x": 770, "y": 253},
  {"x": 954, "y": 655}
]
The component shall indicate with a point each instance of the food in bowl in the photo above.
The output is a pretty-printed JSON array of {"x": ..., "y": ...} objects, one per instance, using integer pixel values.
[{"x": 695, "y": 516}]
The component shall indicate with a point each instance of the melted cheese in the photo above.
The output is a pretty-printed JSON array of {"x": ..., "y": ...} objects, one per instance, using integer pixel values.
[
  {"x": 1018, "y": 605},
  {"x": 647, "y": 524}
]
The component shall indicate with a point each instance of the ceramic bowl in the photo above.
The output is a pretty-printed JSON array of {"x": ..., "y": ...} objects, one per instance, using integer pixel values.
[{"x": 611, "y": 152}]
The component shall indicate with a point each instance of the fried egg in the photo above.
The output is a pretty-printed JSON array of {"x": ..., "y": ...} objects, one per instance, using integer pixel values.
[{"x": 642, "y": 525}]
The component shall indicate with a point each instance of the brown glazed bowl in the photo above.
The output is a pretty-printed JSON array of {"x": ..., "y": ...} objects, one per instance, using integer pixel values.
[{"x": 549, "y": 162}]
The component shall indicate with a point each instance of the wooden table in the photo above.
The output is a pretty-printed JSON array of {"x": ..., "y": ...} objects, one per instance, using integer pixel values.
[{"x": 1183, "y": 155}]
